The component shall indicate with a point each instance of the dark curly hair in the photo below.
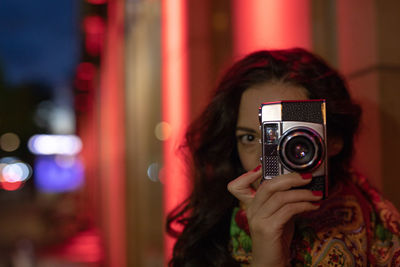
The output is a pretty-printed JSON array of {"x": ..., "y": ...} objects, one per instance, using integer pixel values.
[{"x": 211, "y": 143}]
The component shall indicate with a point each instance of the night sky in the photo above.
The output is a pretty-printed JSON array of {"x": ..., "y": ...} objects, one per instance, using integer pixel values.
[{"x": 39, "y": 41}]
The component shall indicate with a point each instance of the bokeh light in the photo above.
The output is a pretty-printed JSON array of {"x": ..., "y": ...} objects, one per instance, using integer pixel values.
[
  {"x": 9, "y": 142},
  {"x": 56, "y": 118},
  {"x": 94, "y": 27},
  {"x": 96, "y": 2},
  {"x": 85, "y": 76},
  {"x": 16, "y": 172},
  {"x": 55, "y": 174},
  {"x": 55, "y": 144},
  {"x": 42, "y": 113},
  {"x": 86, "y": 71},
  {"x": 11, "y": 186},
  {"x": 13, "y": 173},
  {"x": 62, "y": 120},
  {"x": 163, "y": 131},
  {"x": 153, "y": 172}
]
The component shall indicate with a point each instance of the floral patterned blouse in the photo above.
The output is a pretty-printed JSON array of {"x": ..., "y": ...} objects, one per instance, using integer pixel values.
[{"x": 355, "y": 226}]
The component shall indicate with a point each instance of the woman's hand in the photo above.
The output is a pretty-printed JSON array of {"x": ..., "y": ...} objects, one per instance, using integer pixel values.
[{"x": 270, "y": 210}]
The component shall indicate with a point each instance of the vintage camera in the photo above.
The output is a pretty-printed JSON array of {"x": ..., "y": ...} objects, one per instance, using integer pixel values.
[{"x": 294, "y": 140}]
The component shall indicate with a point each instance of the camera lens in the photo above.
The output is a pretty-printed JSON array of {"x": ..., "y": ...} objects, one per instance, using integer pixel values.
[{"x": 301, "y": 150}]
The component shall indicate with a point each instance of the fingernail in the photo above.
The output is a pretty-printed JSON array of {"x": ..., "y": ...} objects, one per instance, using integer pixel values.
[
  {"x": 256, "y": 169},
  {"x": 318, "y": 193},
  {"x": 316, "y": 203},
  {"x": 306, "y": 176}
]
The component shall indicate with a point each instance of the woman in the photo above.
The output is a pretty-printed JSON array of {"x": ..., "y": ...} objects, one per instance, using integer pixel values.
[{"x": 231, "y": 219}]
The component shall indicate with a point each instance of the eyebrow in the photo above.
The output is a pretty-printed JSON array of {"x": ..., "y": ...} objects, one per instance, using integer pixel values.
[{"x": 240, "y": 128}]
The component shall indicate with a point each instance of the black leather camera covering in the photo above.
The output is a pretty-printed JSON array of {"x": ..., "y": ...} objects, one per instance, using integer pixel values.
[{"x": 304, "y": 111}]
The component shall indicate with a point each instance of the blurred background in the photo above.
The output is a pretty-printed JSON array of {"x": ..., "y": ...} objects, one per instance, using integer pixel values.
[{"x": 96, "y": 94}]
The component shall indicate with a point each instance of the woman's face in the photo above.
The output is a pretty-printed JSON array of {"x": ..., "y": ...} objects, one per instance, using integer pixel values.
[{"x": 248, "y": 132}]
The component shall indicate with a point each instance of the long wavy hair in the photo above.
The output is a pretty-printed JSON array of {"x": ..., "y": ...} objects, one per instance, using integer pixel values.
[{"x": 210, "y": 140}]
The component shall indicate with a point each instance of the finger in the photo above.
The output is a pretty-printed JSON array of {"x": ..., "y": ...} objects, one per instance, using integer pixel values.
[
  {"x": 277, "y": 184},
  {"x": 288, "y": 211},
  {"x": 241, "y": 187},
  {"x": 282, "y": 198}
]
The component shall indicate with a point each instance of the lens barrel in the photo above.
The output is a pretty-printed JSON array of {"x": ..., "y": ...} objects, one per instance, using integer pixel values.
[{"x": 301, "y": 149}]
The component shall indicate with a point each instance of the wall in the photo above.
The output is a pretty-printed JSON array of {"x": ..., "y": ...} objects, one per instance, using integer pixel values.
[{"x": 369, "y": 57}]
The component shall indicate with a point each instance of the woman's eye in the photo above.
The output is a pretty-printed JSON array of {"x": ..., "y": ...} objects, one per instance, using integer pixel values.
[{"x": 246, "y": 139}]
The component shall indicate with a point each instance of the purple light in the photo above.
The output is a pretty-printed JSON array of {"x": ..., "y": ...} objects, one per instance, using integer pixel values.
[{"x": 58, "y": 173}]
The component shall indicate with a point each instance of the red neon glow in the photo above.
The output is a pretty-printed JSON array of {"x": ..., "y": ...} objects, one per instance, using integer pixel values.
[
  {"x": 85, "y": 247},
  {"x": 270, "y": 24},
  {"x": 112, "y": 137},
  {"x": 85, "y": 76},
  {"x": 94, "y": 27},
  {"x": 86, "y": 71},
  {"x": 174, "y": 101},
  {"x": 97, "y": 2},
  {"x": 11, "y": 186}
]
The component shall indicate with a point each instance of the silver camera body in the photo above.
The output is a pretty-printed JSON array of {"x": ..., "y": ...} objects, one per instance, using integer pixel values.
[{"x": 294, "y": 140}]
